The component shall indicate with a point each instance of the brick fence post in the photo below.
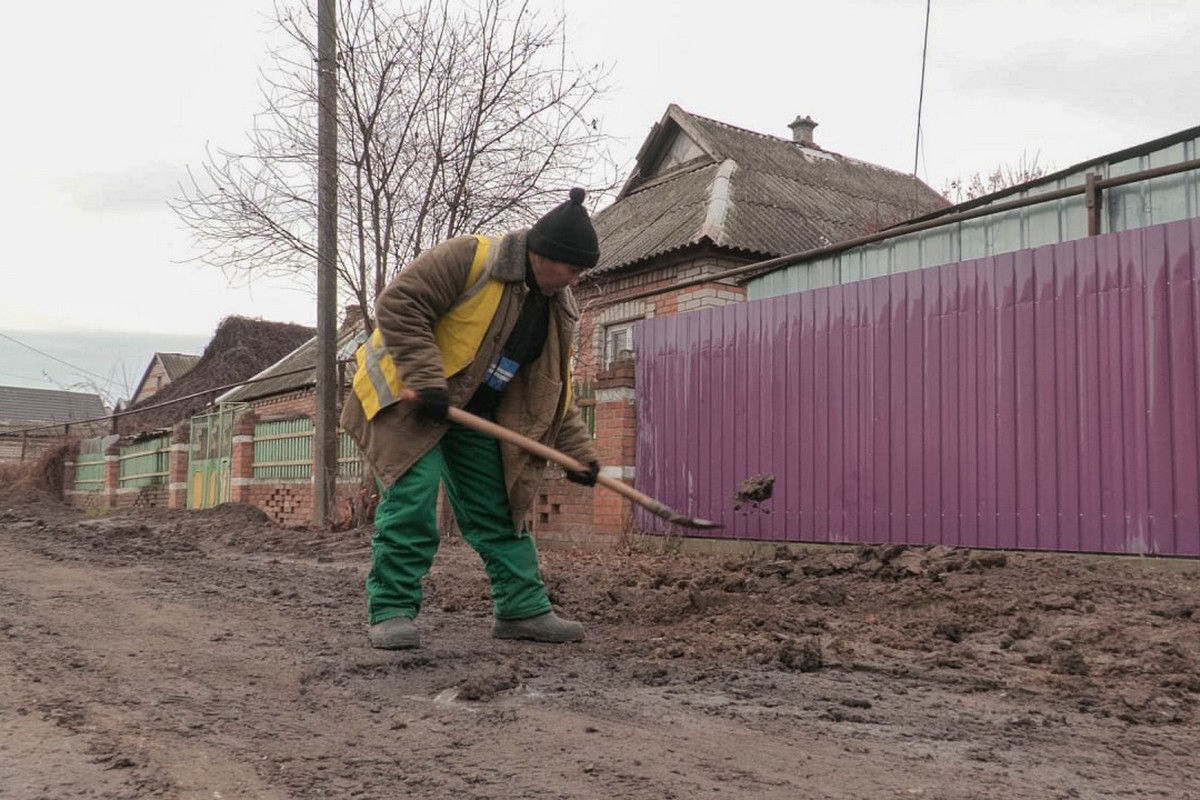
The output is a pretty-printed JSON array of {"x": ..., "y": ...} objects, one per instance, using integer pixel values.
[
  {"x": 241, "y": 467},
  {"x": 112, "y": 473},
  {"x": 68, "y": 481},
  {"x": 177, "y": 466},
  {"x": 616, "y": 443}
]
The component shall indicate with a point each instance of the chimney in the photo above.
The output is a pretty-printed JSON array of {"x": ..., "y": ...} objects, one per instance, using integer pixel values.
[
  {"x": 352, "y": 314},
  {"x": 802, "y": 130}
]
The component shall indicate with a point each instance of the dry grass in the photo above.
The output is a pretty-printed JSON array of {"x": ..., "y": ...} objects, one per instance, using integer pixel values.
[{"x": 43, "y": 474}]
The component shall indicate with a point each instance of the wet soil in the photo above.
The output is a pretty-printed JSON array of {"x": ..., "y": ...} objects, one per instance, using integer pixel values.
[
  {"x": 754, "y": 490},
  {"x": 214, "y": 655}
]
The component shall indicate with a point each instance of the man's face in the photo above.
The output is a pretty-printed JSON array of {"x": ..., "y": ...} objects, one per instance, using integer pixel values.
[{"x": 553, "y": 275}]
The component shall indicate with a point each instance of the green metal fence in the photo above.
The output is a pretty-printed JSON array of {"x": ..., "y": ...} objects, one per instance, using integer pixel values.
[
  {"x": 350, "y": 463},
  {"x": 283, "y": 449},
  {"x": 89, "y": 466},
  {"x": 145, "y": 463}
]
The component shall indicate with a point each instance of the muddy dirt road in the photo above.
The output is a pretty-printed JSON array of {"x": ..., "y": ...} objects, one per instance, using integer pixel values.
[{"x": 213, "y": 655}]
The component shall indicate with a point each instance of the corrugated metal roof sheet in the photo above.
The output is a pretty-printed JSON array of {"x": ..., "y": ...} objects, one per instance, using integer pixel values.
[
  {"x": 781, "y": 197},
  {"x": 663, "y": 217},
  {"x": 1163, "y": 199},
  {"x": 177, "y": 364},
  {"x": 22, "y": 406}
]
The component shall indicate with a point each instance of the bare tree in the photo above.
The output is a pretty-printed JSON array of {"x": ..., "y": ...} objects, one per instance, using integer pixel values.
[
  {"x": 1002, "y": 177},
  {"x": 451, "y": 120}
]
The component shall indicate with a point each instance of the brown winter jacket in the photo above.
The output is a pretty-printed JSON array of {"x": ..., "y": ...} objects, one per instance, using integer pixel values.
[{"x": 533, "y": 402}]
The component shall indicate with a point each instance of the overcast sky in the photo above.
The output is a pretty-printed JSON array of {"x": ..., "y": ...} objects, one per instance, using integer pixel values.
[{"x": 107, "y": 104}]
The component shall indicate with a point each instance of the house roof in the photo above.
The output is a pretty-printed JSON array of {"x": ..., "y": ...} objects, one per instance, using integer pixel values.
[
  {"x": 22, "y": 407},
  {"x": 240, "y": 348},
  {"x": 175, "y": 365},
  {"x": 297, "y": 369},
  {"x": 699, "y": 179}
]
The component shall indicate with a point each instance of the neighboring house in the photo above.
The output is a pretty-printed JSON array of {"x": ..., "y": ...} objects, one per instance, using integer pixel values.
[
  {"x": 277, "y": 413},
  {"x": 705, "y": 197},
  {"x": 240, "y": 348},
  {"x": 31, "y": 419},
  {"x": 162, "y": 370}
]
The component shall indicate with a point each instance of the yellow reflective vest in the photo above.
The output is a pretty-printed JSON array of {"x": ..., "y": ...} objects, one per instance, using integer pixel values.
[{"x": 458, "y": 335}]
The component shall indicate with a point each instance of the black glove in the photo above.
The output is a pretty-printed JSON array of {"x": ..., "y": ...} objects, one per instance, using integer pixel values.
[
  {"x": 585, "y": 477},
  {"x": 433, "y": 404}
]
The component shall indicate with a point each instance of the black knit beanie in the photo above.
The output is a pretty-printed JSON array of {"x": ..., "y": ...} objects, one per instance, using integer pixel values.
[{"x": 566, "y": 234}]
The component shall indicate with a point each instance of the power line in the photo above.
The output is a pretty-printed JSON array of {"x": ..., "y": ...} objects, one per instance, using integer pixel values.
[
  {"x": 921, "y": 98},
  {"x": 172, "y": 401},
  {"x": 108, "y": 381},
  {"x": 23, "y": 377}
]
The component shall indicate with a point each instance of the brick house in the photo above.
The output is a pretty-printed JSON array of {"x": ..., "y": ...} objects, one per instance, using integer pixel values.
[
  {"x": 703, "y": 197},
  {"x": 284, "y": 393},
  {"x": 33, "y": 420}
]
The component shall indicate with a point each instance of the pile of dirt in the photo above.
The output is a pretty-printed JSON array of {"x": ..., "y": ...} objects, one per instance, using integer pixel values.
[
  {"x": 1117, "y": 636},
  {"x": 248, "y": 529}
]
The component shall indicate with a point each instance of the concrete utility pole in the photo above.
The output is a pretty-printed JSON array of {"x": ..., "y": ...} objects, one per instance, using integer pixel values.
[{"x": 325, "y": 440}]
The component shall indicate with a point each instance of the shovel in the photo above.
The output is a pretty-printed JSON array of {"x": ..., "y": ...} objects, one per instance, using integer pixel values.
[{"x": 468, "y": 420}]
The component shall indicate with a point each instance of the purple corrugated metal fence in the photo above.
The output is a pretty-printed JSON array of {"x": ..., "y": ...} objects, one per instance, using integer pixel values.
[{"x": 1042, "y": 399}]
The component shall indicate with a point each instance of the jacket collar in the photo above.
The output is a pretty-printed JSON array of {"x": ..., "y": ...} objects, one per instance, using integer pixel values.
[
  {"x": 510, "y": 260},
  {"x": 510, "y": 268}
]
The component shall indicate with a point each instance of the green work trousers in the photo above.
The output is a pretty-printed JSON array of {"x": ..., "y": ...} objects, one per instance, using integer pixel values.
[{"x": 407, "y": 537}]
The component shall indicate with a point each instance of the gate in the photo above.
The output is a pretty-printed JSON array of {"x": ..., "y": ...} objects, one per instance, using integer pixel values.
[{"x": 209, "y": 457}]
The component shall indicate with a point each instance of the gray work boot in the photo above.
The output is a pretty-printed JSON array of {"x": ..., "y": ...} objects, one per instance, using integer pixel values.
[
  {"x": 397, "y": 633},
  {"x": 546, "y": 627}
]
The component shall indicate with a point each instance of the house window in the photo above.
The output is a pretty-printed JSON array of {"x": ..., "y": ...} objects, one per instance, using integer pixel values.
[{"x": 618, "y": 342}]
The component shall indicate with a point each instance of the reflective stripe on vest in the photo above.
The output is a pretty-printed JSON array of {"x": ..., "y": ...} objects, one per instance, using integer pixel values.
[{"x": 458, "y": 335}]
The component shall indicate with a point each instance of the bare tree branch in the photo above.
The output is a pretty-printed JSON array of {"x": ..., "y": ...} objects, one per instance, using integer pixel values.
[
  {"x": 1002, "y": 177},
  {"x": 452, "y": 119}
]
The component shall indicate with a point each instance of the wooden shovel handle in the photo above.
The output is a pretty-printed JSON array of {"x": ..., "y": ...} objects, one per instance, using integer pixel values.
[{"x": 469, "y": 420}]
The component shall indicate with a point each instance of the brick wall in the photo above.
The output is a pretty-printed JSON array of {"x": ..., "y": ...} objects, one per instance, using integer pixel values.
[
  {"x": 603, "y": 303},
  {"x": 178, "y": 466},
  {"x": 569, "y": 516},
  {"x": 566, "y": 515},
  {"x": 142, "y": 497},
  {"x": 300, "y": 403},
  {"x": 562, "y": 514}
]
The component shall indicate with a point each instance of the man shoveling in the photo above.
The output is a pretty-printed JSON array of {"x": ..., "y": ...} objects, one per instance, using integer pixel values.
[{"x": 484, "y": 324}]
